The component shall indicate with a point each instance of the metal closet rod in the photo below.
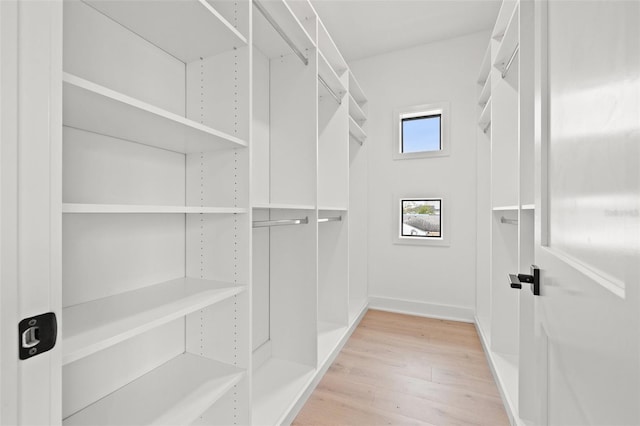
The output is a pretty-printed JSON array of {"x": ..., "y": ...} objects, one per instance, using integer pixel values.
[
  {"x": 330, "y": 219},
  {"x": 281, "y": 222},
  {"x": 281, "y": 32},
  {"x": 508, "y": 221},
  {"x": 331, "y": 92},
  {"x": 513, "y": 55}
]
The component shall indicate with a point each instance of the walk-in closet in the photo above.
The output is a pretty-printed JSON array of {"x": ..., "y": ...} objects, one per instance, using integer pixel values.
[{"x": 319, "y": 212}]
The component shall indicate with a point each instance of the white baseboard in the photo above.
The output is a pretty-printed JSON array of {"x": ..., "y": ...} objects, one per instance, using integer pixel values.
[
  {"x": 297, "y": 406},
  {"x": 511, "y": 410},
  {"x": 422, "y": 309}
]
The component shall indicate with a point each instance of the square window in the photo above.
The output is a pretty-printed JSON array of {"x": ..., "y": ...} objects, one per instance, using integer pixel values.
[
  {"x": 421, "y": 218},
  {"x": 421, "y": 133}
]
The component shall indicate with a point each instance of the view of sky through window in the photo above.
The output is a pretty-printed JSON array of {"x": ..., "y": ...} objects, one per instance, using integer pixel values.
[{"x": 421, "y": 134}]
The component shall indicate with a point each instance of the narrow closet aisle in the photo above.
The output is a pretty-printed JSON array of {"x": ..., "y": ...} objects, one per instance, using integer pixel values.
[{"x": 401, "y": 369}]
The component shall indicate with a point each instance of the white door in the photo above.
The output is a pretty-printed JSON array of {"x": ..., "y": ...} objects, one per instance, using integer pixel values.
[{"x": 588, "y": 212}]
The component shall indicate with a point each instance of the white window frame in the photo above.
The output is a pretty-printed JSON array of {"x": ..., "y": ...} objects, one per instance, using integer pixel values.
[
  {"x": 437, "y": 108},
  {"x": 445, "y": 214}
]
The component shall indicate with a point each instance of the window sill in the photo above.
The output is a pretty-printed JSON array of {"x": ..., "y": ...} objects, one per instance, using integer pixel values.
[
  {"x": 418, "y": 155},
  {"x": 424, "y": 243}
]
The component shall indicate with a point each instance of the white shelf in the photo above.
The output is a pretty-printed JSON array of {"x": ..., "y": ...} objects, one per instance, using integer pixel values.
[
  {"x": 502, "y": 21},
  {"x": 508, "y": 44},
  {"x": 186, "y": 29},
  {"x": 330, "y": 51},
  {"x": 485, "y": 116},
  {"x": 333, "y": 208},
  {"x": 268, "y": 41},
  {"x": 485, "y": 93},
  {"x": 277, "y": 385},
  {"x": 356, "y": 90},
  {"x": 281, "y": 206},
  {"x": 126, "y": 208},
  {"x": 177, "y": 392},
  {"x": 355, "y": 111},
  {"x": 94, "y": 108},
  {"x": 329, "y": 335},
  {"x": 330, "y": 77},
  {"x": 92, "y": 326},
  {"x": 356, "y": 131},
  {"x": 504, "y": 208},
  {"x": 528, "y": 207},
  {"x": 485, "y": 67}
]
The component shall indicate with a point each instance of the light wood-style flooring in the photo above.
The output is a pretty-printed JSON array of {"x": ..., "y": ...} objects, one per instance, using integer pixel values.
[{"x": 400, "y": 369}]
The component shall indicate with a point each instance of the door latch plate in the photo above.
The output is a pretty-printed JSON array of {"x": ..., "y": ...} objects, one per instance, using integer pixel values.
[{"x": 37, "y": 335}]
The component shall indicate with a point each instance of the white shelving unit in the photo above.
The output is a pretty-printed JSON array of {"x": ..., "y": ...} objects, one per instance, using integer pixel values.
[
  {"x": 505, "y": 195},
  {"x": 177, "y": 392},
  {"x": 301, "y": 150},
  {"x": 284, "y": 187},
  {"x": 155, "y": 213},
  {"x": 166, "y": 130}
]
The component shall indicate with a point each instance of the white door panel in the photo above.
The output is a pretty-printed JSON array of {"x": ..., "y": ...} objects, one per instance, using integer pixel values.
[
  {"x": 593, "y": 84},
  {"x": 587, "y": 224}
]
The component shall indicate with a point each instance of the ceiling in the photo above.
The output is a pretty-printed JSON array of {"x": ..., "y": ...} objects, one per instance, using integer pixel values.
[{"x": 363, "y": 28}]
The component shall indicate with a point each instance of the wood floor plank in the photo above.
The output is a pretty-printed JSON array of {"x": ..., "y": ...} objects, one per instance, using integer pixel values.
[{"x": 405, "y": 370}]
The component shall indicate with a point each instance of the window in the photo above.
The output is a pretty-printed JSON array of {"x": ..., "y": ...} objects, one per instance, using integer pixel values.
[
  {"x": 421, "y": 218},
  {"x": 422, "y": 131}
]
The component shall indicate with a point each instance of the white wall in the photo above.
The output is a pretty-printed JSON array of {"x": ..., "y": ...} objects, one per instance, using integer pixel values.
[{"x": 434, "y": 281}]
